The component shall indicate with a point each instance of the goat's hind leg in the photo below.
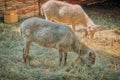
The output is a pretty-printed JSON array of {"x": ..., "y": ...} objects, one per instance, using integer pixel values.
[
  {"x": 60, "y": 57},
  {"x": 26, "y": 52}
]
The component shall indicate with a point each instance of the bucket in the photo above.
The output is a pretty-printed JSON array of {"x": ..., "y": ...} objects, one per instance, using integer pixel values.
[{"x": 10, "y": 16}]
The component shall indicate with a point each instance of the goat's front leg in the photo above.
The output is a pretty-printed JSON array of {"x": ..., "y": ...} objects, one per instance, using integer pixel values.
[
  {"x": 78, "y": 58},
  {"x": 65, "y": 59},
  {"x": 73, "y": 26},
  {"x": 26, "y": 52}
]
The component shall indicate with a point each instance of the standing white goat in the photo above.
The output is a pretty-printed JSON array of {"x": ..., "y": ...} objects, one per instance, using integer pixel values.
[
  {"x": 53, "y": 35},
  {"x": 63, "y": 12}
]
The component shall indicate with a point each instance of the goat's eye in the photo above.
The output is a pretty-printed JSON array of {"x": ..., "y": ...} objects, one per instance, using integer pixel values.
[{"x": 93, "y": 58}]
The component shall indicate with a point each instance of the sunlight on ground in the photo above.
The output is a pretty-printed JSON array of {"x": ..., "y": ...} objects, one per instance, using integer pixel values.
[{"x": 105, "y": 40}]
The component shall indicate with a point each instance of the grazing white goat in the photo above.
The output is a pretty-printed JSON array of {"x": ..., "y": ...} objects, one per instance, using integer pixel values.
[
  {"x": 74, "y": 15},
  {"x": 53, "y": 35}
]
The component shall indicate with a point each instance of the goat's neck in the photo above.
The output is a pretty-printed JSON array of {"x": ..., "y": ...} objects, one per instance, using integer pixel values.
[{"x": 89, "y": 21}]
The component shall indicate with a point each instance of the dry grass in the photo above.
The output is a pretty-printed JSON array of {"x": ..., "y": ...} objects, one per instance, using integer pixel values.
[{"x": 44, "y": 62}]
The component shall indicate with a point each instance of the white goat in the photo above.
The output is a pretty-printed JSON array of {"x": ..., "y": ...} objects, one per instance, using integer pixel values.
[
  {"x": 63, "y": 12},
  {"x": 53, "y": 35}
]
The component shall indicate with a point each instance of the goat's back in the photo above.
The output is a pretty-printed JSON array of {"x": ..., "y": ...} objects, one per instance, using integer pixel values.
[
  {"x": 47, "y": 33},
  {"x": 63, "y": 12}
]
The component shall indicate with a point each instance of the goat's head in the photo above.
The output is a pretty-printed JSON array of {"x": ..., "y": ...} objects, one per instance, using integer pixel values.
[
  {"x": 88, "y": 56},
  {"x": 91, "y": 30}
]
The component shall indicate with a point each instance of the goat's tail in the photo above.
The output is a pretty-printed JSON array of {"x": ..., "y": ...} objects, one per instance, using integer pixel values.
[{"x": 20, "y": 31}]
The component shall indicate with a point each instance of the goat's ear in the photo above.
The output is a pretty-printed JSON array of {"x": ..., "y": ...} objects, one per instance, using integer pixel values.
[
  {"x": 90, "y": 54},
  {"x": 98, "y": 25}
]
